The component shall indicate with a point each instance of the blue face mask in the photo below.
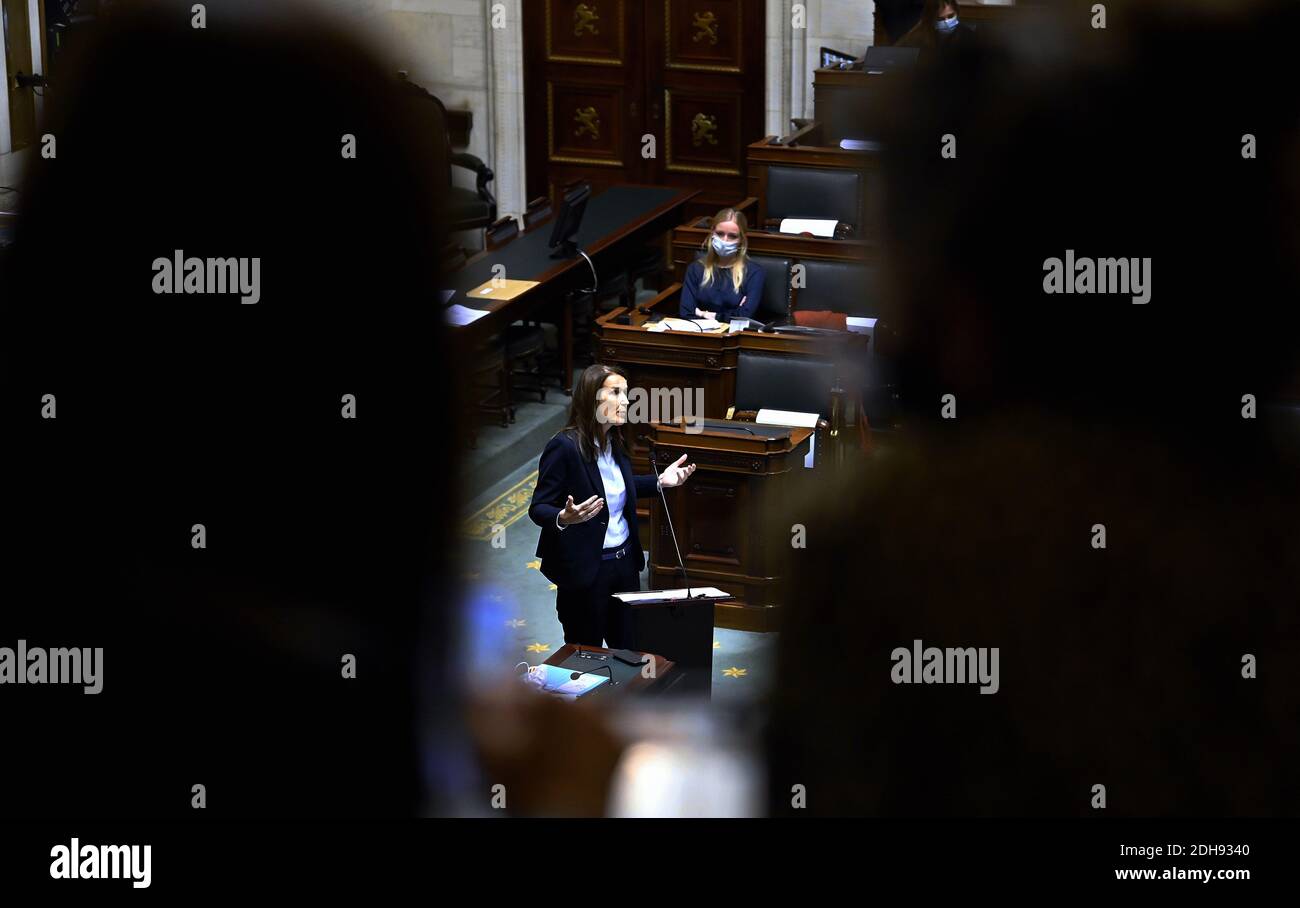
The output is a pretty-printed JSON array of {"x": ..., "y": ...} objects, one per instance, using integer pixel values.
[
  {"x": 724, "y": 248},
  {"x": 946, "y": 25}
]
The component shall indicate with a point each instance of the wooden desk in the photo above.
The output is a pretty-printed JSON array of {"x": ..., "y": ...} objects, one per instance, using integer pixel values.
[
  {"x": 616, "y": 219},
  {"x": 729, "y": 518},
  {"x": 689, "y": 239},
  {"x": 688, "y": 360},
  {"x": 843, "y": 99},
  {"x": 630, "y": 681}
]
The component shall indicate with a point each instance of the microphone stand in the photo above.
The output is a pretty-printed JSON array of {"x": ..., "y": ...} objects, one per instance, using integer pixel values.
[
  {"x": 574, "y": 676},
  {"x": 680, "y": 563}
]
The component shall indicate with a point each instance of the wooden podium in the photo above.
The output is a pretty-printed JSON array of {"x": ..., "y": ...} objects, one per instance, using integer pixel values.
[{"x": 729, "y": 516}]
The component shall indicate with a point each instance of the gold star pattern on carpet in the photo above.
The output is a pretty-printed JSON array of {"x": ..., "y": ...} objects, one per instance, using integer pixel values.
[
  {"x": 516, "y": 622},
  {"x": 717, "y": 645},
  {"x": 534, "y": 565},
  {"x": 734, "y": 672},
  {"x": 538, "y": 647},
  {"x": 550, "y": 586}
]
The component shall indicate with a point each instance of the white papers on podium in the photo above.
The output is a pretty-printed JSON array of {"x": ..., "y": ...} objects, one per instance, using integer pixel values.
[
  {"x": 814, "y": 226},
  {"x": 456, "y": 314},
  {"x": 707, "y": 592},
  {"x": 558, "y": 680},
  {"x": 796, "y": 419}
]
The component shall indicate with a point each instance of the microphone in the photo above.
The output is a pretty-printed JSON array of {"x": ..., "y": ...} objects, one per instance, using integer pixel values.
[
  {"x": 680, "y": 563},
  {"x": 576, "y": 675}
]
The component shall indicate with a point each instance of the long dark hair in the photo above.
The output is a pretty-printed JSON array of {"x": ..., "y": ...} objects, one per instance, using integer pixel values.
[
  {"x": 582, "y": 423},
  {"x": 923, "y": 33}
]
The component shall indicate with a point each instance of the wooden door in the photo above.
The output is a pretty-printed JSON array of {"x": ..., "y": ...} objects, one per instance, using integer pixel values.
[
  {"x": 707, "y": 94},
  {"x": 584, "y": 92},
  {"x": 602, "y": 75}
]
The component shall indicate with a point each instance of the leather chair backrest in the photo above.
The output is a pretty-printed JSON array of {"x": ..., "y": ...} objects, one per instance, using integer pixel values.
[
  {"x": 782, "y": 382},
  {"x": 848, "y": 287},
  {"x": 539, "y": 209},
  {"x": 811, "y": 192},
  {"x": 502, "y": 230}
]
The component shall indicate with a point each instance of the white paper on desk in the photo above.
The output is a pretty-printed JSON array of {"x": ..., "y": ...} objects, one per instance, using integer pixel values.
[
  {"x": 456, "y": 314},
  {"x": 860, "y": 144},
  {"x": 737, "y": 324},
  {"x": 796, "y": 419},
  {"x": 711, "y": 592},
  {"x": 865, "y": 326},
  {"x": 808, "y": 225}
]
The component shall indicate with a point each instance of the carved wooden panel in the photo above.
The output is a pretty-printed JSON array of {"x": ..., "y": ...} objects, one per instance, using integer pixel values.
[
  {"x": 702, "y": 132},
  {"x": 586, "y": 31},
  {"x": 704, "y": 35},
  {"x": 715, "y": 531},
  {"x": 687, "y": 73},
  {"x": 584, "y": 124}
]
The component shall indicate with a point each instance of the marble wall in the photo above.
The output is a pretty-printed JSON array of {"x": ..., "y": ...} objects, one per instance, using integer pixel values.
[
  {"x": 794, "y": 52},
  {"x": 451, "y": 48}
]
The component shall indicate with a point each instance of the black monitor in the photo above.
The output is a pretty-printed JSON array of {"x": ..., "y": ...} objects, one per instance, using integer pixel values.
[
  {"x": 568, "y": 221},
  {"x": 888, "y": 59}
]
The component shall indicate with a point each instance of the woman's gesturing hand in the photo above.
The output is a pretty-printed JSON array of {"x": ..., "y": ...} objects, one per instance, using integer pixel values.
[
  {"x": 676, "y": 474},
  {"x": 580, "y": 513}
]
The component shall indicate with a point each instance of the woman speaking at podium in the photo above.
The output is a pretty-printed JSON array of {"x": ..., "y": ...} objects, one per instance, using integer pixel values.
[{"x": 585, "y": 503}]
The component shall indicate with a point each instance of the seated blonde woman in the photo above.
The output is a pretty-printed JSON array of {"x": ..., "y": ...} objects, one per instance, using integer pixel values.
[{"x": 724, "y": 284}]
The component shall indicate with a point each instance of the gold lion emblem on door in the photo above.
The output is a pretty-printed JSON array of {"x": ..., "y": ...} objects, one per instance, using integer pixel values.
[
  {"x": 584, "y": 20},
  {"x": 706, "y": 27},
  {"x": 702, "y": 130},
  {"x": 588, "y": 121}
]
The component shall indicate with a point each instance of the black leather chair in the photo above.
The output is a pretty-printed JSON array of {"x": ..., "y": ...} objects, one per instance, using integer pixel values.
[
  {"x": 466, "y": 209},
  {"x": 774, "y": 307},
  {"x": 812, "y": 192},
  {"x": 848, "y": 287},
  {"x": 854, "y": 289},
  {"x": 776, "y": 381},
  {"x": 539, "y": 209},
  {"x": 500, "y": 232}
]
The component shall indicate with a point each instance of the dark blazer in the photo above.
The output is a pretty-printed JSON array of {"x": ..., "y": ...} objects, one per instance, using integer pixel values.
[
  {"x": 721, "y": 296},
  {"x": 571, "y": 557}
]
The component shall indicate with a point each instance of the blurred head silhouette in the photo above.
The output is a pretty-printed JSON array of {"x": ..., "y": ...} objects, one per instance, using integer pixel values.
[
  {"x": 235, "y": 500},
  {"x": 1037, "y": 425}
]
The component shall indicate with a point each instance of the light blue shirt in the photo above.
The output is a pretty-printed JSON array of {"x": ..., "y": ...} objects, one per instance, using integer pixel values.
[{"x": 616, "y": 532}]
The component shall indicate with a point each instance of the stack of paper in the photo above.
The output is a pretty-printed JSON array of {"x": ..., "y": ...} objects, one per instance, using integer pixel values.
[
  {"x": 792, "y": 418},
  {"x": 816, "y": 227},
  {"x": 456, "y": 314}
]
